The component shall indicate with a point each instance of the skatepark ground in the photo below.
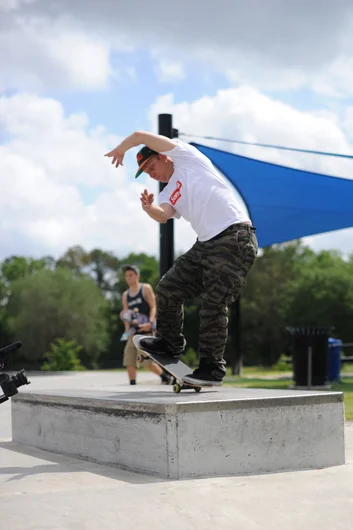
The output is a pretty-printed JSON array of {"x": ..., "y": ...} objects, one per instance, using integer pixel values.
[{"x": 41, "y": 490}]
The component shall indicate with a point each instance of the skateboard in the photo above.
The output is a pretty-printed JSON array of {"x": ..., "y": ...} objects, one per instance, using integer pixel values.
[
  {"x": 135, "y": 319},
  {"x": 173, "y": 366}
]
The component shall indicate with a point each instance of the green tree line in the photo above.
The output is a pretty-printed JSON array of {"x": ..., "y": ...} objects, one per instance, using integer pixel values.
[{"x": 70, "y": 306}]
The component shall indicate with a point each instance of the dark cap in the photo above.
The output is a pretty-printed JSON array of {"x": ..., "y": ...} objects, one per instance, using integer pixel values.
[
  {"x": 133, "y": 268},
  {"x": 142, "y": 157}
]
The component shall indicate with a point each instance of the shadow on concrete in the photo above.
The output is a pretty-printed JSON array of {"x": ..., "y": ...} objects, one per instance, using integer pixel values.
[{"x": 67, "y": 464}]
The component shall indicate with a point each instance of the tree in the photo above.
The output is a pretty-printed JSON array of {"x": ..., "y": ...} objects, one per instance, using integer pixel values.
[
  {"x": 17, "y": 267},
  {"x": 264, "y": 300},
  {"x": 323, "y": 295},
  {"x": 56, "y": 304},
  {"x": 11, "y": 269},
  {"x": 75, "y": 259},
  {"x": 102, "y": 266}
]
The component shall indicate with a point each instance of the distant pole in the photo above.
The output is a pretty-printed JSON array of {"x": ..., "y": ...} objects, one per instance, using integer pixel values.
[
  {"x": 166, "y": 230},
  {"x": 237, "y": 358}
]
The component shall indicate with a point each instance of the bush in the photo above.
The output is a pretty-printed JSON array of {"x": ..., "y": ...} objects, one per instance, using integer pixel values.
[
  {"x": 281, "y": 365},
  {"x": 63, "y": 356}
]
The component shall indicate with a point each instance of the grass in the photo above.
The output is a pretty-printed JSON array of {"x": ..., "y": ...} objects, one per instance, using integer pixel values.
[
  {"x": 262, "y": 370},
  {"x": 255, "y": 377}
]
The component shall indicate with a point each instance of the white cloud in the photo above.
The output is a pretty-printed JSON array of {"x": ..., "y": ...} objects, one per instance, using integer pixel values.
[
  {"x": 63, "y": 147},
  {"x": 332, "y": 78},
  {"x": 9, "y": 5},
  {"x": 47, "y": 157},
  {"x": 336, "y": 79},
  {"x": 170, "y": 71},
  {"x": 340, "y": 240},
  {"x": 50, "y": 55},
  {"x": 264, "y": 76},
  {"x": 278, "y": 30},
  {"x": 272, "y": 45},
  {"x": 348, "y": 122}
]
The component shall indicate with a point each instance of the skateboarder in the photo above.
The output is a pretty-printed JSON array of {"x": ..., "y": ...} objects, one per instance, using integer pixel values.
[
  {"x": 139, "y": 299},
  {"x": 216, "y": 265}
]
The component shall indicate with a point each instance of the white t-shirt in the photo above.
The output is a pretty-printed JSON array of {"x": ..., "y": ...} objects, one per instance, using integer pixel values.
[{"x": 198, "y": 194}]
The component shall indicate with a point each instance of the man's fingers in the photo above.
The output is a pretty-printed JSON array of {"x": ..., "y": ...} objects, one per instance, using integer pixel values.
[
  {"x": 117, "y": 161},
  {"x": 117, "y": 158},
  {"x": 146, "y": 198}
]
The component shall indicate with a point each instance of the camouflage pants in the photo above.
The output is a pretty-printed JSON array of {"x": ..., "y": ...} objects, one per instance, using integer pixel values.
[{"x": 215, "y": 270}]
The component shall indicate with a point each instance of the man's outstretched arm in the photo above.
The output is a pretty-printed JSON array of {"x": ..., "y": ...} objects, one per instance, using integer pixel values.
[
  {"x": 159, "y": 213},
  {"x": 156, "y": 142}
]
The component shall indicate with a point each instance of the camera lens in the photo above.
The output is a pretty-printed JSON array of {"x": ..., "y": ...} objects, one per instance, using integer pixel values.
[{"x": 20, "y": 379}]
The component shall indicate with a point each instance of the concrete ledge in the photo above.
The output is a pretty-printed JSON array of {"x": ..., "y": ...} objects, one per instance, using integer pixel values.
[{"x": 214, "y": 433}]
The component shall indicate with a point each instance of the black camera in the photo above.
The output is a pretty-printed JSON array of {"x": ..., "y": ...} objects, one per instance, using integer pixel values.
[{"x": 10, "y": 383}]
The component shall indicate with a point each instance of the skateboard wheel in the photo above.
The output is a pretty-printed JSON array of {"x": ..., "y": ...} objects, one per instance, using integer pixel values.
[
  {"x": 198, "y": 389},
  {"x": 139, "y": 359},
  {"x": 176, "y": 388}
]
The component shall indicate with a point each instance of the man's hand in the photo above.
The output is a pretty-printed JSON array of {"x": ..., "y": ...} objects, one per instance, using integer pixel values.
[
  {"x": 146, "y": 200},
  {"x": 145, "y": 327},
  {"x": 117, "y": 155},
  {"x": 161, "y": 214}
]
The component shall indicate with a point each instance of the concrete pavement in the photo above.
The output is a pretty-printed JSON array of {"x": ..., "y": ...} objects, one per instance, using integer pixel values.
[{"x": 40, "y": 490}]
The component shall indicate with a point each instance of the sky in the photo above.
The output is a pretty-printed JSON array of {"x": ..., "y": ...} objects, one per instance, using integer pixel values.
[{"x": 77, "y": 77}]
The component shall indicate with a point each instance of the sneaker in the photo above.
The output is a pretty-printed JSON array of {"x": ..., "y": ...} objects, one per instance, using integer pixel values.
[
  {"x": 160, "y": 346},
  {"x": 125, "y": 336},
  {"x": 167, "y": 379},
  {"x": 208, "y": 373}
]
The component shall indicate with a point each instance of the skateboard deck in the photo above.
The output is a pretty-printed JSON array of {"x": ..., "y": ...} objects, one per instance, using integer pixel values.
[{"x": 173, "y": 366}]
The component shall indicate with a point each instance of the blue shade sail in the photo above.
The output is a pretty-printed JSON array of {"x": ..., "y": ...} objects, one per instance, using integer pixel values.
[{"x": 285, "y": 203}]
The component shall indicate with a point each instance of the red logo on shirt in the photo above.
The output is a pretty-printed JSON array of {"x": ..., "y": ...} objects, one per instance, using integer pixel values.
[{"x": 175, "y": 196}]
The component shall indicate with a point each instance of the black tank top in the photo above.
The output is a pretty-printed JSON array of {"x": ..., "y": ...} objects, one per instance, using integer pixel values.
[{"x": 138, "y": 301}]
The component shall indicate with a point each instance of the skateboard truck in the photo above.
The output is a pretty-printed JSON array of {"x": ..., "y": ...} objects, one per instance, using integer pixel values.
[{"x": 179, "y": 385}]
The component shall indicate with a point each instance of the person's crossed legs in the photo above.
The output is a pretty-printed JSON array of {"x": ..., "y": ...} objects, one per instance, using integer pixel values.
[{"x": 216, "y": 270}]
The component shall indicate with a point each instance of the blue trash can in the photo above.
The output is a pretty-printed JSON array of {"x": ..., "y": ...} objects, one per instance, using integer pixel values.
[{"x": 334, "y": 359}]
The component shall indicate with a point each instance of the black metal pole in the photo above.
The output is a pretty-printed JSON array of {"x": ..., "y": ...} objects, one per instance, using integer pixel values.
[
  {"x": 166, "y": 231},
  {"x": 237, "y": 358}
]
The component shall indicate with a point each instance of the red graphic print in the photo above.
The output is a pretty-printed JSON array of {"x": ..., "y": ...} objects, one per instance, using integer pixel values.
[{"x": 175, "y": 196}]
